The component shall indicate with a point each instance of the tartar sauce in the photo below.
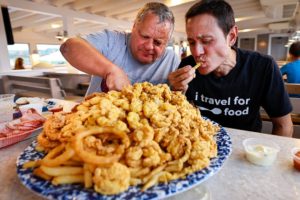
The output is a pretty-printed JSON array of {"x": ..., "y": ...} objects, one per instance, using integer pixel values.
[{"x": 261, "y": 155}]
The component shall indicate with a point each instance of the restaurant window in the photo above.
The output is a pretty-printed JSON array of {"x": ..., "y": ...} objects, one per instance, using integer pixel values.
[
  {"x": 18, "y": 50},
  {"x": 278, "y": 50},
  {"x": 247, "y": 43},
  {"x": 50, "y": 53}
]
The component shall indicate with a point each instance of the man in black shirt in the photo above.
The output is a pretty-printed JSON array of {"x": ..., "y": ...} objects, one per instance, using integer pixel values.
[{"x": 231, "y": 84}]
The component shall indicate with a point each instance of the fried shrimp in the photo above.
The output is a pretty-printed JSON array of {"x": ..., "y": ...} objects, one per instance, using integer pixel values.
[{"x": 53, "y": 125}]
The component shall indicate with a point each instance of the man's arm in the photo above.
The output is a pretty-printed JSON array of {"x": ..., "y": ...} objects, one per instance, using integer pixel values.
[
  {"x": 86, "y": 58},
  {"x": 283, "y": 126}
]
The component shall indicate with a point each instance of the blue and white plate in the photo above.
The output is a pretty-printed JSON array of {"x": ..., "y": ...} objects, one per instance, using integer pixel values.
[{"x": 76, "y": 191}]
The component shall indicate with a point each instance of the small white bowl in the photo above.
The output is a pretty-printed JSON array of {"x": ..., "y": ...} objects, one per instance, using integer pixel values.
[{"x": 261, "y": 151}]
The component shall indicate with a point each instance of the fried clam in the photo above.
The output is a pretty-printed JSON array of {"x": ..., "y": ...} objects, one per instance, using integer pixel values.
[
  {"x": 44, "y": 143},
  {"x": 53, "y": 125},
  {"x": 144, "y": 134},
  {"x": 112, "y": 180}
]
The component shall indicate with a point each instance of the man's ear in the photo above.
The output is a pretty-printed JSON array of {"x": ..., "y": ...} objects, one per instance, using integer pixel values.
[
  {"x": 133, "y": 26},
  {"x": 232, "y": 35}
]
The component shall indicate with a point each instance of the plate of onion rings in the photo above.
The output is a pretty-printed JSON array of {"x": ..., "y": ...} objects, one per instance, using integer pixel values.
[{"x": 77, "y": 191}]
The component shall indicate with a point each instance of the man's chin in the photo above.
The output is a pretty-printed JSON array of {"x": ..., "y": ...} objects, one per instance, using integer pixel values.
[
  {"x": 204, "y": 70},
  {"x": 146, "y": 60}
]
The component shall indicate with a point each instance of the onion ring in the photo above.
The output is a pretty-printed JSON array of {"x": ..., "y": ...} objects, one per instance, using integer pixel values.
[
  {"x": 92, "y": 158},
  {"x": 52, "y": 160}
]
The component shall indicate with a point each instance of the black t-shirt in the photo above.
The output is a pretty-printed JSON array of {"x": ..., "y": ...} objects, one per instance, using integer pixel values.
[{"x": 236, "y": 98}]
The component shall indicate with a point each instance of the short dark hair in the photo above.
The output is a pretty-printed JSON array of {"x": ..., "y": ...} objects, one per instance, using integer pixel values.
[
  {"x": 295, "y": 49},
  {"x": 219, "y": 9}
]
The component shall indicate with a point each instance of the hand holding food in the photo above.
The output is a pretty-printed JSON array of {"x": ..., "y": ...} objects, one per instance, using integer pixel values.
[
  {"x": 142, "y": 135},
  {"x": 116, "y": 79},
  {"x": 180, "y": 78}
]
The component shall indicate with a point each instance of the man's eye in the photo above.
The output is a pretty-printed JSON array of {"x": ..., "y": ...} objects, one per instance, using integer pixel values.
[
  {"x": 205, "y": 42},
  {"x": 157, "y": 43},
  {"x": 192, "y": 43}
]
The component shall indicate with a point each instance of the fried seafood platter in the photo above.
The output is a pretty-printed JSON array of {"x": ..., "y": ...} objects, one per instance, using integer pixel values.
[{"x": 140, "y": 136}]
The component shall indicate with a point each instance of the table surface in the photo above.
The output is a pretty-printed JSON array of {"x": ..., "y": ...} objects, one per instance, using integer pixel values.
[{"x": 237, "y": 179}]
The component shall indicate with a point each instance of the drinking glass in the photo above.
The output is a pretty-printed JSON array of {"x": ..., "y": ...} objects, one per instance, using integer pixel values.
[{"x": 6, "y": 107}]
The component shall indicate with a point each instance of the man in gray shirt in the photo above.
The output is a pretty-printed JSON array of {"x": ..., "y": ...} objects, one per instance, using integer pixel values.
[{"x": 125, "y": 58}]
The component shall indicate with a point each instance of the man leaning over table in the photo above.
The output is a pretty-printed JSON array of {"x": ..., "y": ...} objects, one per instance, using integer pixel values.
[
  {"x": 125, "y": 58},
  {"x": 231, "y": 84}
]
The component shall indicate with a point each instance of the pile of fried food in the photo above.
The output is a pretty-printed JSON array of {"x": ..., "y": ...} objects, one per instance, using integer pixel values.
[{"x": 144, "y": 134}]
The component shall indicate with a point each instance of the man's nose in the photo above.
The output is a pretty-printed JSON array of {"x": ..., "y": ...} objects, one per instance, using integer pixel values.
[
  {"x": 199, "y": 49},
  {"x": 149, "y": 45}
]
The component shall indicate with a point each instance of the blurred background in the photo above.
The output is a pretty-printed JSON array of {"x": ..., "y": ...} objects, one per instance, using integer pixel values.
[{"x": 39, "y": 26}]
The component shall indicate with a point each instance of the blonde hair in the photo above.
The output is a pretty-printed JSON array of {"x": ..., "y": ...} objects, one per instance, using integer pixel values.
[{"x": 19, "y": 63}]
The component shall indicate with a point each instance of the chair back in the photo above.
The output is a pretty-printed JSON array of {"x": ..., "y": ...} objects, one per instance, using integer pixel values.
[
  {"x": 292, "y": 88},
  {"x": 24, "y": 86}
]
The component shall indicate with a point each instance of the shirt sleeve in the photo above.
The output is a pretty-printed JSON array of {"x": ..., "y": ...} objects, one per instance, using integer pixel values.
[
  {"x": 99, "y": 41},
  {"x": 276, "y": 101},
  {"x": 107, "y": 42}
]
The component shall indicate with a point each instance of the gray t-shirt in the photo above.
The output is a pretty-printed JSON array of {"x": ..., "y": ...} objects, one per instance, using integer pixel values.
[{"x": 114, "y": 46}]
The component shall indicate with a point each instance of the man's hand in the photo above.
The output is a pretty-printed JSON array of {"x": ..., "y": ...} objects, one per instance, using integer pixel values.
[
  {"x": 116, "y": 79},
  {"x": 180, "y": 78}
]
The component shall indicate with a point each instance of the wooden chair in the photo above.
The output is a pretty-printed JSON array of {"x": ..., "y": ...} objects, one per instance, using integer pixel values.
[
  {"x": 292, "y": 88},
  {"x": 33, "y": 86},
  {"x": 267, "y": 124},
  {"x": 296, "y": 116}
]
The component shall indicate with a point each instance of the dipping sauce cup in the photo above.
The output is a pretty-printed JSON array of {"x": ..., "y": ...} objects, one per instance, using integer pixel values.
[
  {"x": 261, "y": 151},
  {"x": 296, "y": 157},
  {"x": 55, "y": 108}
]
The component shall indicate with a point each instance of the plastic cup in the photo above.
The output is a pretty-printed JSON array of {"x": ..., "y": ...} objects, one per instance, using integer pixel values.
[
  {"x": 6, "y": 107},
  {"x": 261, "y": 151},
  {"x": 296, "y": 157}
]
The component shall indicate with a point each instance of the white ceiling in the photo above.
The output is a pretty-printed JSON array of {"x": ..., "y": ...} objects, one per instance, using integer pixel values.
[{"x": 50, "y": 17}]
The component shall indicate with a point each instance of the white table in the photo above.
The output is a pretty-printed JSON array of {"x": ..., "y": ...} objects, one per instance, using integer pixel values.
[{"x": 238, "y": 179}]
